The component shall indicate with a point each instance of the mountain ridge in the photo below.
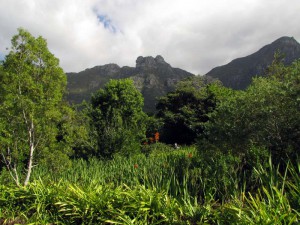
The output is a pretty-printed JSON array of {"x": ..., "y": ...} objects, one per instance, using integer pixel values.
[
  {"x": 238, "y": 73},
  {"x": 153, "y": 77}
]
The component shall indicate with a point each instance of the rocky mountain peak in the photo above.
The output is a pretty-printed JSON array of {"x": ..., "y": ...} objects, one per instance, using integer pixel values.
[
  {"x": 160, "y": 59},
  {"x": 152, "y": 76},
  {"x": 150, "y": 62}
]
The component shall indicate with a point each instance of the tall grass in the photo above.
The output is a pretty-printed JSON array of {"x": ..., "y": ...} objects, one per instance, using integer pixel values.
[
  {"x": 163, "y": 171},
  {"x": 175, "y": 187},
  {"x": 276, "y": 201}
]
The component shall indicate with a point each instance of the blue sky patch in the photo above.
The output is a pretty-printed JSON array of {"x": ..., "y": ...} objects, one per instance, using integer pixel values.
[{"x": 107, "y": 23}]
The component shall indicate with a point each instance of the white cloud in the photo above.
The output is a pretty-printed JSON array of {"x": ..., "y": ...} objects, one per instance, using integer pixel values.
[{"x": 195, "y": 35}]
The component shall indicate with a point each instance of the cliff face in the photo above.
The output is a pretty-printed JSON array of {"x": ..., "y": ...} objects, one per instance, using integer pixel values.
[
  {"x": 153, "y": 77},
  {"x": 238, "y": 73}
]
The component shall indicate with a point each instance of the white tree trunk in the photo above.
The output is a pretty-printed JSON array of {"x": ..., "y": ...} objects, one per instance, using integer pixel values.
[
  {"x": 11, "y": 167},
  {"x": 32, "y": 148}
]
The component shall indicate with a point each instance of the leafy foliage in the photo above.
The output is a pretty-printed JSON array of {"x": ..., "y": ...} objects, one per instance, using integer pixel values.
[
  {"x": 185, "y": 110},
  {"x": 118, "y": 119},
  {"x": 245, "y": 170},
  {"x": 163, "y": 188},
  {"x": 32, "y": 87},
  {"x": 264, "y": 115},
  {"x": 82, "y": 133}
]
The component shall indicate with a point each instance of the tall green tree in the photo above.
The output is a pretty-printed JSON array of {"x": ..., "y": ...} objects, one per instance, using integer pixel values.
[
  {"x": 184, "y": 111},
  {"x": 118, "y": 119},
  {"x": 266, "y": 115},
  {"x": 32, "y": 87}
]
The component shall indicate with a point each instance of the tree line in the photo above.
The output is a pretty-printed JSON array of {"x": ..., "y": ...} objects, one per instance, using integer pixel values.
[{"x": 39, "y": 128}]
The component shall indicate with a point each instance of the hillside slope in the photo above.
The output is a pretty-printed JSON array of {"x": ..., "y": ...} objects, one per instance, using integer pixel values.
[
  {"x": 238, "y": 73},
  {"x": 152, "y": 76}
]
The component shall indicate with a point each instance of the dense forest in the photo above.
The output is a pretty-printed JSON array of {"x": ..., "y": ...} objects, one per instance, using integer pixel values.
[{"x": 209, "y": 155}]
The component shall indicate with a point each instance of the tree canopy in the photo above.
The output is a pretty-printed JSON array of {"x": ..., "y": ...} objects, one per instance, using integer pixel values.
[
  {"x": 118, "y": 118},
  {"x": 184, "y": 111},
  {"x": 265, "y": 115},
  {"x": 32, "y": 87}
]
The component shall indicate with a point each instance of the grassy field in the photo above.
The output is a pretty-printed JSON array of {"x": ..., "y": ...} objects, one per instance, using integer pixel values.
[{"x": 164, "y": 187}]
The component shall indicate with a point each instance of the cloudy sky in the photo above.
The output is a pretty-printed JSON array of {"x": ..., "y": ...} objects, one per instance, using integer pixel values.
[{"x": 195, "y": 35}]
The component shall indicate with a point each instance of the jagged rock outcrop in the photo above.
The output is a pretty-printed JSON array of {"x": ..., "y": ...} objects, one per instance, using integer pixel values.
[
  {"x": 238, "y": 73},
  {"x": 152, "y": 76}
]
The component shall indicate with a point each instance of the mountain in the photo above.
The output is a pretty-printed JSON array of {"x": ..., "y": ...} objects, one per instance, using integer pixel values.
[
  {"x": 238, "y": 73},
  {"x": 153, "y": 77}
]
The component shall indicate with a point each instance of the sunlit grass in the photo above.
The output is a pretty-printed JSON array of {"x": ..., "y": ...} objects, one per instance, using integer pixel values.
[{"x": 162, "y": 188}]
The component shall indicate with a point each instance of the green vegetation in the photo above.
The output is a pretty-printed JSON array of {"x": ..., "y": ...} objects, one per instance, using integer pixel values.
[
  {"x": 266, "y": 115},
  {"x": 185, "y": 110},
  {"x": 32, "y": 86},
  {"x": 163, "y": 188},
  {"x": 118, "y": 119},
  {"x": 108, "y": 164}
]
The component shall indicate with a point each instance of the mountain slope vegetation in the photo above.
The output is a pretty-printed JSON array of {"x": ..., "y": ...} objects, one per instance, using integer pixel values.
[
  {"x": 153, "y": 77},
  {"x": 239, "y": 72}
]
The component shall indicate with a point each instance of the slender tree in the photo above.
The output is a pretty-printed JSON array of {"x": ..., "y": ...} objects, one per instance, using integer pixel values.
[{"x": 32, "y": 87}]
